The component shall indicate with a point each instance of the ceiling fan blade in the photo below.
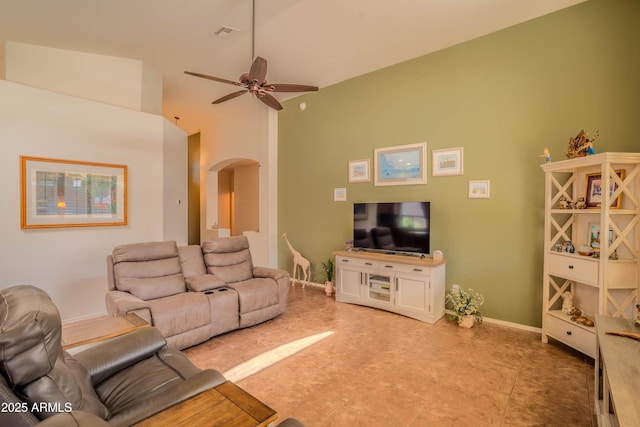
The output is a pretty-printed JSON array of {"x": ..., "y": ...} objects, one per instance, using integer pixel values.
[
  {"x": 269, "y": 100},
  {"x": 230, "y": 96},
  {"x": 258, "y": 71},
  {"x": 286, "y": 87},
  {"x": 217, "y": 79}
]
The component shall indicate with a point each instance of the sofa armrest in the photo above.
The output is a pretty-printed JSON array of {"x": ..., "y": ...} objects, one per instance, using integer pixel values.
[
  {"x": 184, "y": 390},
  {"x": 204, "y": 282},
  {"x": 269, "y": 273},
  {"x": 120, "y": 303},
  {"x": 105, "y": 358}
]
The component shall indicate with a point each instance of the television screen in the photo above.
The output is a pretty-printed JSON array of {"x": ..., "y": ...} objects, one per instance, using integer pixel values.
[{"x": 394, "y": 227}]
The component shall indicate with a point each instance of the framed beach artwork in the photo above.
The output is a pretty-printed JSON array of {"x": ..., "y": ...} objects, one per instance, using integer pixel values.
[
  {"x": 401, "y": 165},
  {"x": 359, "y": 171},
  {"x": 447, "y": 162},
  {"x": 479, "y": 189},
  {"x": 71, "y": 193},
  {"x": 339, "y": 194}
]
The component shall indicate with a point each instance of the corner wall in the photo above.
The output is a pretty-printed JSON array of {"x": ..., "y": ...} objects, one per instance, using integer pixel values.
[
  {"x": 503, "y": 97},
  {"x": 70, "y": 263}
]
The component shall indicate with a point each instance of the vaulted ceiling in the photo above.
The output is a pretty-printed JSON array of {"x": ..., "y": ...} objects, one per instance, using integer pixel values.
[{"x": 316, "y": 42}]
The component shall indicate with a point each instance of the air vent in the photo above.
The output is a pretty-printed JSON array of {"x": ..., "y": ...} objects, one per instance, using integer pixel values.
[{"x": 224, "y": 31}]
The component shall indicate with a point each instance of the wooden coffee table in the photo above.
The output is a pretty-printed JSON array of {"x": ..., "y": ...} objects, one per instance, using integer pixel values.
[
  {"x": 225, "y": 405},
  {"x": 99, "y": 329}
]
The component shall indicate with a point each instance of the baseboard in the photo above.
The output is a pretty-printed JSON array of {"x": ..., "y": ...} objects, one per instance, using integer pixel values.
[
  {"x": 507, "y": 324},
  {"x": 314, "y": 284},
  {"x": 87, "y": 317}
]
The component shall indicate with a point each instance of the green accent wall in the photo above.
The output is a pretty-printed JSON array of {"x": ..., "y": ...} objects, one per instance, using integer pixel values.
[{"x": 503, "y": 97}]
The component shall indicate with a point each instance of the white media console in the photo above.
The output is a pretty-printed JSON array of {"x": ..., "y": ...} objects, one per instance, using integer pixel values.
[{"x": 409, "y": 285}]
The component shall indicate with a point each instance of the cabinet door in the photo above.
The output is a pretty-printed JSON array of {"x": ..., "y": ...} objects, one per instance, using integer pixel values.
[
  {"x": 412, "y": 292},
  {"x": 349, "y": 280}
]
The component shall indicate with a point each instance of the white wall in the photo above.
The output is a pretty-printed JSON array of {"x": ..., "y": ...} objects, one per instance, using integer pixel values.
[
  {"x": 244, "y": 129},
  {"x": 69, "y": 263},
  {"x": 127, "y": 83}
]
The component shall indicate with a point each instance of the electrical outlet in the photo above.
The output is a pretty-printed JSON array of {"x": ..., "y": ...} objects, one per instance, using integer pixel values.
[{"x": 455, "y": 288}]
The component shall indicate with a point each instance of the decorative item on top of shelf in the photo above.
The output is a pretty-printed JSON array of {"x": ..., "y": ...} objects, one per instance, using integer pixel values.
[
  {"x": 568, "y": 247},
  {"x": 466, "y": 306},
  {"x": 348, "y": 245},
  {"x": 300, "y": 263},
  {"x": 581, "y": 145},
  {"x": 438, "y": 256},
  {"x": 546, "y": 155},
  {"x": 328, "y": 272},
  {"x": 580, "y": 203},
  {"x": 576, "y": 316},
  {"x": 564, "y": 203}
]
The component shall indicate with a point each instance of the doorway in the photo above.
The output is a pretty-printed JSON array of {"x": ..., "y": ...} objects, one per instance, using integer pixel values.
[{"x": 238, "y": 197}]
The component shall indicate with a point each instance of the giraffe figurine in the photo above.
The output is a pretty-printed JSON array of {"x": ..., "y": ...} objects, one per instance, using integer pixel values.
[{"x": 298, "y": 261}]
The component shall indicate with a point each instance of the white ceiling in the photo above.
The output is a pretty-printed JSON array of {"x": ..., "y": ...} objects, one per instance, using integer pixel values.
[{"x": 317, "y": 42}]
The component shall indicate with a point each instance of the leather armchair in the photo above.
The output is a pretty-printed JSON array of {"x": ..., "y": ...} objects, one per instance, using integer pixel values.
[{"x": 122, "y": 381}]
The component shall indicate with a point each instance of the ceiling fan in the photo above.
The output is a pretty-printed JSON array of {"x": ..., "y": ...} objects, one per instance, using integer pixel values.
[{"x": 254, "y": 82}]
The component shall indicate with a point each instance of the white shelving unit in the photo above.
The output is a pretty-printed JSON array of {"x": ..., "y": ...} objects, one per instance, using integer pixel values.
[
  {"x": 604, "y": 284},
  {"x": 407, "y": 285}
]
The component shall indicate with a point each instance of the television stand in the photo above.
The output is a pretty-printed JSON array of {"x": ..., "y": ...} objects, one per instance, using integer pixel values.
[{"x": 404, "y": 284}]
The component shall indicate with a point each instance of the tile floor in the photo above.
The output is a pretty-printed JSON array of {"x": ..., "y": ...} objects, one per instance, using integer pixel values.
[{"x": 383, "y": 369}]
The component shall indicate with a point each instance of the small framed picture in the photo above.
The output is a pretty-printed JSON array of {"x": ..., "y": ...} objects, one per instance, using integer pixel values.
[
  {"x": 447, "y": 162},
  {"x": 359, "y": 171},
  {"x": 479, "y": 189},
  {"x": 593, "y": 190},
  {"x": 339, "y": 194},
  {"x": 594, "y": 236}
]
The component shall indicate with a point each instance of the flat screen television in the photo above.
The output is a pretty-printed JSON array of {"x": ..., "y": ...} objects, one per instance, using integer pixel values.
[{"x": 392, "y": 227}]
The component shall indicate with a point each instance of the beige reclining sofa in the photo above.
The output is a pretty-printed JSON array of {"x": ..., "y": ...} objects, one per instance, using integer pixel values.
[{"x": 192, "y": 293}]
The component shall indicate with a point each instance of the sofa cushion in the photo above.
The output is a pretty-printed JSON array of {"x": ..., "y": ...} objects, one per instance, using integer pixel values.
[
  {"x": 228, "y": 258},
  {"x": 256, "y": 294},
  {"x": 66, "y": 387},
  {"x": 192, "y": 261},
  {"x": 150, "y": 279},
  {"x": 180, "y": 313},
  {"x": 145, "y": 251},
  {"x": 205, "y": 282},
  {"x": 31, "y": 334}
]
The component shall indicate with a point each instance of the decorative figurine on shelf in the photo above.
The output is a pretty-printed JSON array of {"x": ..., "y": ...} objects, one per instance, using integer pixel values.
[
  {"x": 581, "y": 145},
  {"x": 299, "y": 263},
  {"x": 567, "y": 302},
  {"x": 638, "y": 318},
  {"x": 546, "y": 155},
  {"x": 568, "y": 247},
  {"x": 348, "y": 245},
  {"x": 564, "y": 203},
  {"x": 580, "y": 203},
  {"x": 576, "y": 316}
]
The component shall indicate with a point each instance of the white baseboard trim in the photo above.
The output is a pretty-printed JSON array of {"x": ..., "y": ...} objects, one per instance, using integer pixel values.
[
  {"x": 314, "y": 284},
  {"x": 81, "y": 318},
  {"x": 507, "y": 324}
]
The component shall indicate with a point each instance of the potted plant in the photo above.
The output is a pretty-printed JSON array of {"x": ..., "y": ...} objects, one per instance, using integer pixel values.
[
  {"x": 466, "y": 306},
  {"x": 327, "y": 271}
]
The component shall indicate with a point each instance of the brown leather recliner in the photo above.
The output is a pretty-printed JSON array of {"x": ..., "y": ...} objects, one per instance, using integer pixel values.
[{"x": 123, "y": 380}]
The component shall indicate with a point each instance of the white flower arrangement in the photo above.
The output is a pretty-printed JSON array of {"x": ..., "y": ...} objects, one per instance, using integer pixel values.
[{"x": 465, "y": 304}]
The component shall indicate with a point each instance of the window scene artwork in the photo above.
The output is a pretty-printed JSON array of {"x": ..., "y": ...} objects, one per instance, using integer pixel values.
[{"x": 63, "y": 193}]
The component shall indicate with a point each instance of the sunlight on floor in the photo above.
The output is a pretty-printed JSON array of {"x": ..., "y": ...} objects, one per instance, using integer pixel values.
[{"x": 270, "y": 357}]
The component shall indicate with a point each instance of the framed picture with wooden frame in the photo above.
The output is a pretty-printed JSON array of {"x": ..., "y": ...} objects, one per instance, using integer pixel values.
[
  {"x": 70, "y": 193},
  {"x": 593, "y": 190}
]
